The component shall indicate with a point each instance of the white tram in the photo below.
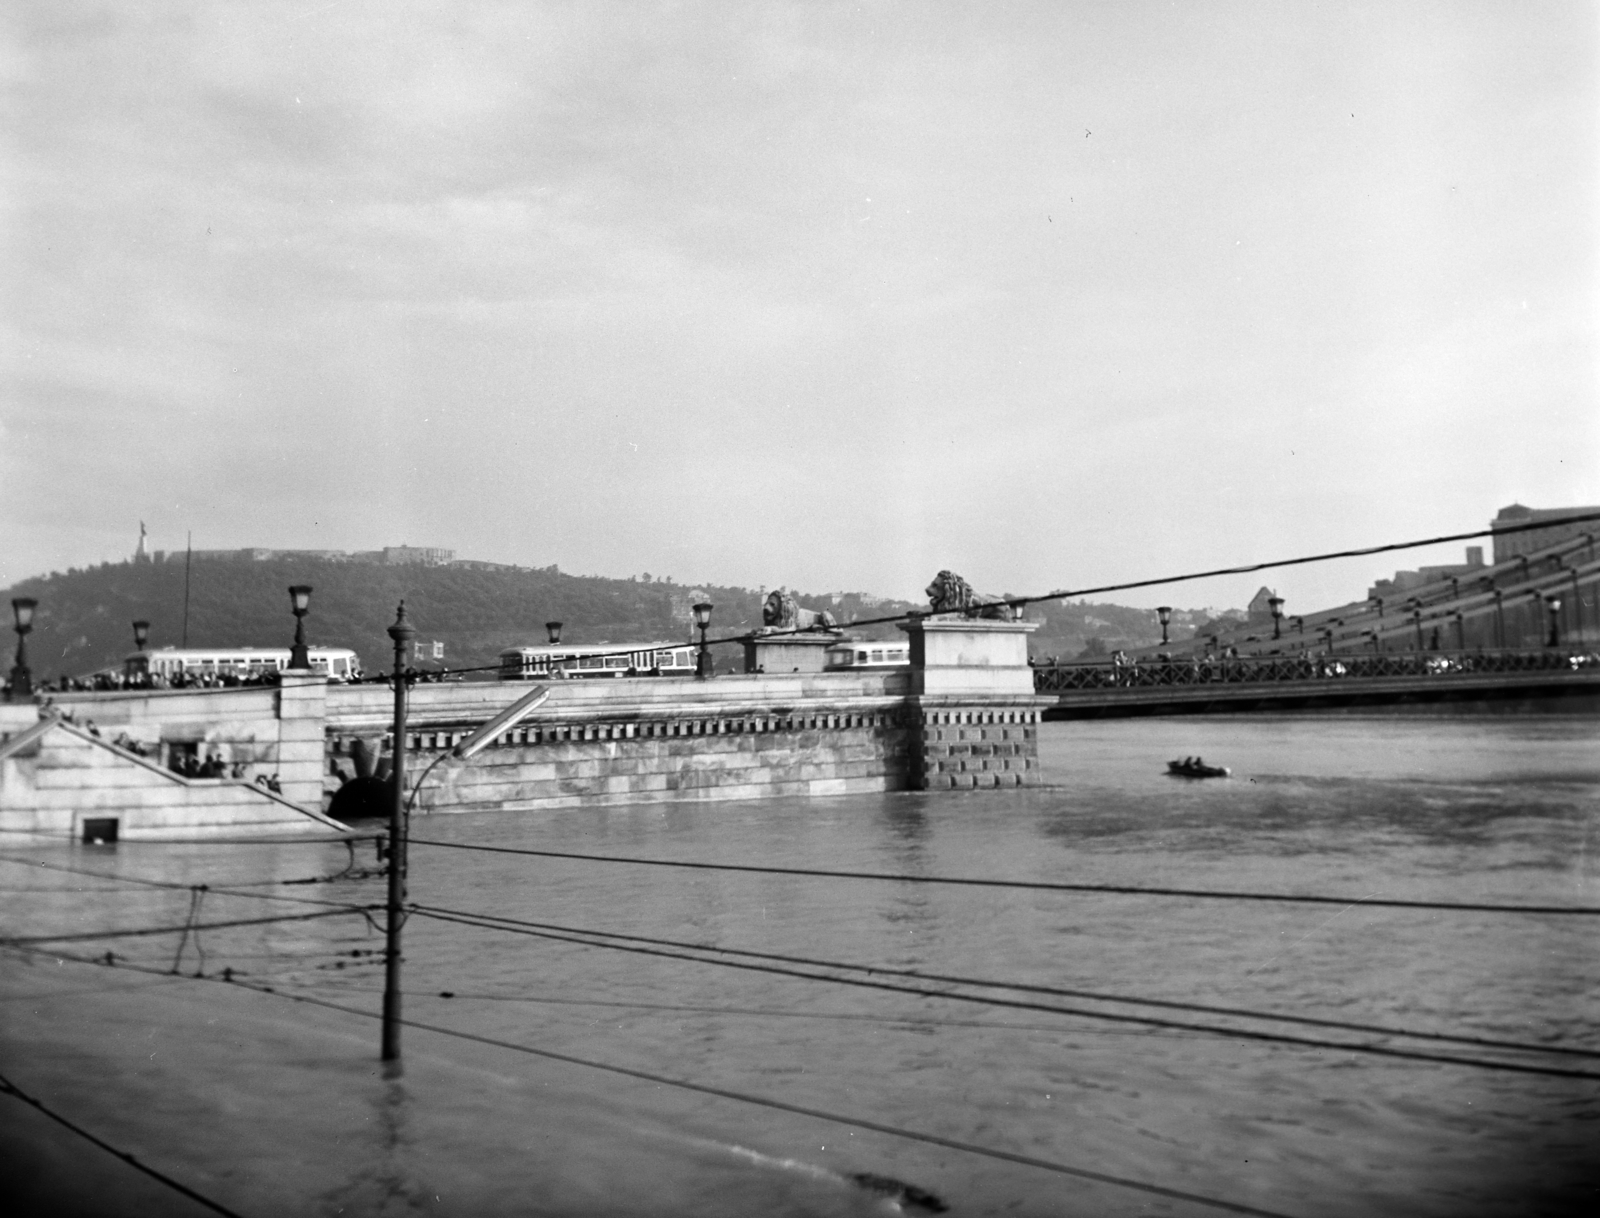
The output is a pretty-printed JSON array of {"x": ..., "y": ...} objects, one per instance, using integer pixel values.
[
  {"x": 599, "y": 660},
  {"x": 870, "y": 653},
  {"x": 335, "y": 663}
]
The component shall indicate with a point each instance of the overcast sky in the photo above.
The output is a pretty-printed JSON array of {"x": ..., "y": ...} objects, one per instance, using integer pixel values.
[{"x": 826, "y": 295}]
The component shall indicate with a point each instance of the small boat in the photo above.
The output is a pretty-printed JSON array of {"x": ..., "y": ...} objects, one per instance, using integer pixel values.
[{"x": 1193, "y": 767}]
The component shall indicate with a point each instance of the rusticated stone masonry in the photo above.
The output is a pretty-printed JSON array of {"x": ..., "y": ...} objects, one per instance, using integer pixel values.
[{"x": 977, "y": 747}]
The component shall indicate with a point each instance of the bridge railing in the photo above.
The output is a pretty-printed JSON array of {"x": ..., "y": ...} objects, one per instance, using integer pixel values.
[{"x": 1241, "y": 670}]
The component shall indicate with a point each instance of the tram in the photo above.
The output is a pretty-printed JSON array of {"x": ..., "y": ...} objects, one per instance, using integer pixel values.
[
  {"x": 336, "y": 663},
  {"x": 600, "y": 660},
  {"x": 869, "y": 653}
]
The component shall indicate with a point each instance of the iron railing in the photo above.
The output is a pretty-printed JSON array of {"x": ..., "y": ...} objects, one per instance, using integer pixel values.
[{"x": 1243, "y": 670}]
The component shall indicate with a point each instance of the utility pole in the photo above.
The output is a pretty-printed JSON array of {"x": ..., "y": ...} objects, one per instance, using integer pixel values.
[
  {"x": 188, "y": 562},
  {"x": 402, "y": 633}
]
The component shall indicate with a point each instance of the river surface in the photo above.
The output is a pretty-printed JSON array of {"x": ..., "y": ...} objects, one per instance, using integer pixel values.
[{"x": 1364, "y": 808}]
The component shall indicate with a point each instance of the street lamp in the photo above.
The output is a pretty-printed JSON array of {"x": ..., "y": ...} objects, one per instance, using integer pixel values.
[
  {"x": 1164, "y": 612},
  {"x": 1416, "y": 619},
  {"x": 141, "y": 635},
  {"x": 300, "y": 599},
  {"x": 1553, "y": 605},
  {"x": 1461, "y": 631},
  {"x": 1275, "y": 603},
  {"x": 702, "y": 619},
  {"x": 1499, "y": 619},
  {"x": 553, "y": 629},
  {"x": 21, "y": 679}
]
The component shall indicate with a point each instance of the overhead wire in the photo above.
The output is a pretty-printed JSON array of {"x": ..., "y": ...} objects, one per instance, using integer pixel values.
[
  {"x": 10, "y": 1088},
  {"x": 229, "y": 889},
  {"x": 185, "y": 927},
  {"x": 774, "y": 964},
  {"x": 989, "y": 1152},
  {"x": 1030, "y": 885}
]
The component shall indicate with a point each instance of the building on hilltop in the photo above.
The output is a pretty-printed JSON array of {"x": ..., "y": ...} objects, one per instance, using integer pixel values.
[
  {"x": 256, "y": 554},
  {"x": 1408, "y": 581},
  {"x": 425, "y": 556},
  {"x": 1509, "y": 546},
  {"x": 1259, "y": 611}
]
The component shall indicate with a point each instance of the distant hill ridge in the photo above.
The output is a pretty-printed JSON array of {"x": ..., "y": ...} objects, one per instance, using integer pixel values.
[
  {"x": 84, "y": 619},
  {"x": 474, "y": 609}
]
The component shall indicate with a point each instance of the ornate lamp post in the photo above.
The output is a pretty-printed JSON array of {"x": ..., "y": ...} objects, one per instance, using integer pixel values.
[
  {"x": 141, "y": 635},
  {"x": 22, "y": 608},
  {"x": 1164, "y": 612},
  {"x": 402, "y": 632},
  {"x": 1553, "y": 606},
  {"x": 702, "y": 619},
  {"x": 1416, "y": 620},
  {"x": 553, "y": 629},
  {"x": 1275, "y": 603},
  {"x": 1461, "y": 631},
  {"x": 300, "y": 599},
  {"x": 1499, "y": 619}
]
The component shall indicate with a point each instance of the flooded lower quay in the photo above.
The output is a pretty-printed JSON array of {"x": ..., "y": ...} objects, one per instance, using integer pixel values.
[{"x": 542, "y": 1067}]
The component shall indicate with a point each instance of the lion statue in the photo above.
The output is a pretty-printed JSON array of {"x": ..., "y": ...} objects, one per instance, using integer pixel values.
[
  {"x": 949, "y": 593},
  {"x": 782, "y": 612}
]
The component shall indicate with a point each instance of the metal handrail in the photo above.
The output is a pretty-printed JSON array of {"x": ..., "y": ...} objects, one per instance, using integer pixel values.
[{"x": 1147, "y": 674}]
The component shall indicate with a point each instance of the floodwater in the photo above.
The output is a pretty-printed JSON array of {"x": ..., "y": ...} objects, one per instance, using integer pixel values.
[{"x": 1363, "y": 808}]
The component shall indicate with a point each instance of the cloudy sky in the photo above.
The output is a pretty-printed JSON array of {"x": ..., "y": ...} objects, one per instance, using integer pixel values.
[{"x": 827, "y": 295}]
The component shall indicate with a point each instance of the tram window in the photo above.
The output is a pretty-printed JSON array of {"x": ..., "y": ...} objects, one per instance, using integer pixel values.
[
  {"x": 861, "y": 657},
  {"x": 877, "y": 654}
]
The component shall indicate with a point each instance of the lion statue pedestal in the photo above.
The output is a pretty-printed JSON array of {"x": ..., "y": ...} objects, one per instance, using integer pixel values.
[
  {"x": 784, "y": 653},
  {"x": 791, "y": 639},
  {"x": 959, "y": 656}
]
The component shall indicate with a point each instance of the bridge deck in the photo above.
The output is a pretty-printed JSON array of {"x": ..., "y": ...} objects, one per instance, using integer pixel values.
[{"x": 1105, "y": 691}]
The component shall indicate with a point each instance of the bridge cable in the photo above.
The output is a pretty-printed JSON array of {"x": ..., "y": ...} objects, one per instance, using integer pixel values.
[
  {"x": 10, "y": 1088},
  {"x": 989, "y": 1152},
  {"x": 1151, "y": 1021},
  {"x": 1066, "y": 593},
  {"x": 1029, "y": 885}
]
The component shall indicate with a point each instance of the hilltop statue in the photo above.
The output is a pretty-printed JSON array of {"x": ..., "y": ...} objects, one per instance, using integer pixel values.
[
  {"x": 949, "y": 593},
  {"x": 781, "y": 611}
]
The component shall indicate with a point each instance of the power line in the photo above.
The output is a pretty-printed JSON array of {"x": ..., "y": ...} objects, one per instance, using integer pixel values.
[
  {"x": 10, "y": 1088},
  {"x": 1032, "y": 885},
  {"x": 913, "y": 1135},
  {"x": 182, "y": 928},
  {"x": 229, "y": 891},
  {"x": 1153, "y": 1021},
  {"x": 1053, "y": 991},
  {"x": 760, "y": 1012}
]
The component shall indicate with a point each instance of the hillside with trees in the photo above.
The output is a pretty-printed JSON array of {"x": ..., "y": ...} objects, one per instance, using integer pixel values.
[
  {"x": 473, "y": 610},
  {"x": 84, "y": 619}
]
